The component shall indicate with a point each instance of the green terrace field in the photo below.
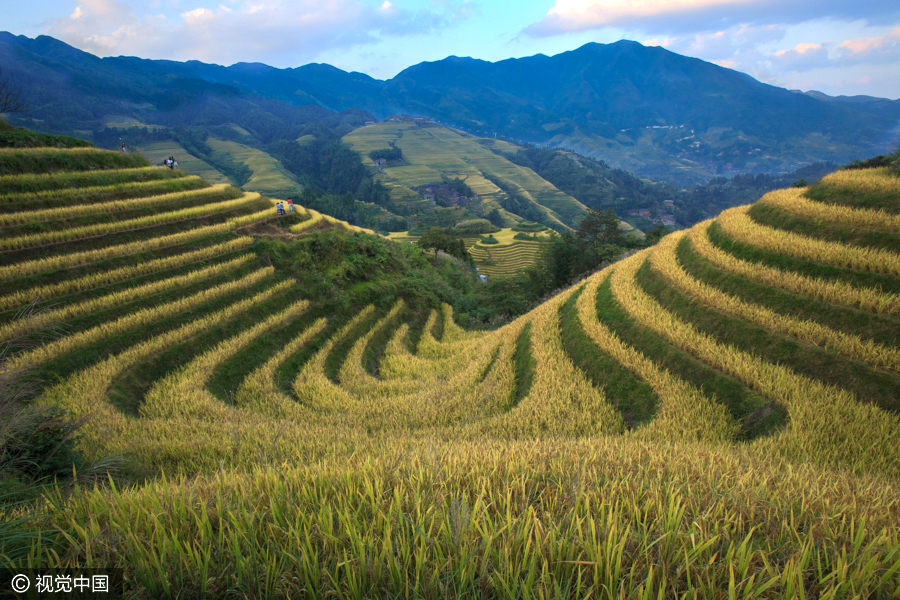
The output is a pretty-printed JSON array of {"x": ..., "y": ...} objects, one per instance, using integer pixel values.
[
  {"x": 157, "y": 152},
  {"x": 507, "y": 257},
  {"x": 431, "y": 150},
  {"x": 268, "y": 176},
  {"x": 712, "y": 417}
]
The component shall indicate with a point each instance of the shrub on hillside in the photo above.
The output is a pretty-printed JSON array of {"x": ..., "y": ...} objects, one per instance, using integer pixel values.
[
  {"x": 891, "y": 160},
  {"x": 489, "y": 240},
  {"x": 22, "y": 138},
  {"x": 393, "y": 153},
  {"x": 475, "y": 226}
]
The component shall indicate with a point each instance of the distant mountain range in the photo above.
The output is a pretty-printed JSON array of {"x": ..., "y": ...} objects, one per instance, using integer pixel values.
[{"x": 655, "y": 113}]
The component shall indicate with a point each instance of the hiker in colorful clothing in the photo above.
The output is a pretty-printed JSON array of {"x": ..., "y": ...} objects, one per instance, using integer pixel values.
[
  {"x": 279, "y": 209},
  {"x": 290, "y": 205}
]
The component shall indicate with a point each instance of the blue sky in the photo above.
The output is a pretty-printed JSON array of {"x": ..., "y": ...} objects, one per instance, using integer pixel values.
[{"x": 834, "y": 46}]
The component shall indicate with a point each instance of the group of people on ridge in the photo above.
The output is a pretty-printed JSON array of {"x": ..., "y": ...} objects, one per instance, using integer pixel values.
[
  {"x": 279, "y": 208},
  {"x": 170, "y": 162}
]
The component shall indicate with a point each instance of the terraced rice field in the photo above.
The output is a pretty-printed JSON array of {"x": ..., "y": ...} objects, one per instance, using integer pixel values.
[
  {"x": 713, "y": 417},
  {"x": 508, "y": 257},
  {"x": 268, "y": 176},
  {"x": 157, "y": 152},
  {"x": 432, "y": 151},
  {"x": 504, "y": 259}
]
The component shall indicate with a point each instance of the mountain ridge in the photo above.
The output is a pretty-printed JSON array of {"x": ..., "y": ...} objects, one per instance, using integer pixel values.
[{"x": 645, "y": 109}]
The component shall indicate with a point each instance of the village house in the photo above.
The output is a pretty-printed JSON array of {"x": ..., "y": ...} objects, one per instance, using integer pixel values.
[
  {"x": 669, "y": 203},
  {"x": 644, "y": 212}
]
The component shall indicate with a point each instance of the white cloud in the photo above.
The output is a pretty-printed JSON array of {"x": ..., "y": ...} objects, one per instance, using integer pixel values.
[
  {"x": 280, "y": 32},
  {"x": 805, "y": 56},
  {"x": 877, "y": 49},
  {"x": 578, "y": 15},
  {"x": 683, "y": 16}
]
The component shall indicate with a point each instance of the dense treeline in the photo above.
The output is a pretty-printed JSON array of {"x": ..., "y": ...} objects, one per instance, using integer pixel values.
[{"x": 392, "y": 153}]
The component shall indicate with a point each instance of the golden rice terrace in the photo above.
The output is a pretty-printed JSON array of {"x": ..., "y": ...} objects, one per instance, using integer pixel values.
[{"x": 714, "y": 417}]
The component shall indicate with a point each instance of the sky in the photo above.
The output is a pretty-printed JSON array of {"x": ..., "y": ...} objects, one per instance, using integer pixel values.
[{"x": 833, "y": 46}]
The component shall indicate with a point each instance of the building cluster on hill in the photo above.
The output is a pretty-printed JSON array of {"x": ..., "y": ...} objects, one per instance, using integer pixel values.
[
  {"x": 402, "y": 118},
  {"x": 438, "y": 193},
  {"x": 667, "y": 219}
]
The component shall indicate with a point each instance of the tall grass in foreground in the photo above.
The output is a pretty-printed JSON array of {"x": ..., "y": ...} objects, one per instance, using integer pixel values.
[{"x": 606, "y": 518}]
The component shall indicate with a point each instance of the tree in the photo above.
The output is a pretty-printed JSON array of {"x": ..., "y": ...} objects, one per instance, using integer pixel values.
[
  {"x": 600, "y": 228},
  {"x": 11, "y": 100},
  {"x": 438, "y": 239},
  {"x": 655, "y": 233}
]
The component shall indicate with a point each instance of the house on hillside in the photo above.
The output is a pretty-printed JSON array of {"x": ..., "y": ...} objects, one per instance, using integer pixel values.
[
  {"x": 669, "y": 203},
  {"x": 370, "y": 122},
  {"x": 667, "y": 219},
  {"x": 644, "y": 212}
]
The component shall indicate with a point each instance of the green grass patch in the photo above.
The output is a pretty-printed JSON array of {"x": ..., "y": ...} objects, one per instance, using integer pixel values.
[
  {"x": 31, "y": 161},
  {"x": 22, "y": 138},
  {"x": 525, "y": 365}
]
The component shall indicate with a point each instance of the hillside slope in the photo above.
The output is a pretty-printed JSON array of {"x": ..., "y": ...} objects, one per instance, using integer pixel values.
[
  {"x": 717, "y": 412},
  {"x": 431, "y": 151}
]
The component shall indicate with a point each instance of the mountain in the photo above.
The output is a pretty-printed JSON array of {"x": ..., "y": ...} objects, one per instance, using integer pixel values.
[
  {"x": 644, "y": 109},
  {"x": 872, "y": 104}
]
